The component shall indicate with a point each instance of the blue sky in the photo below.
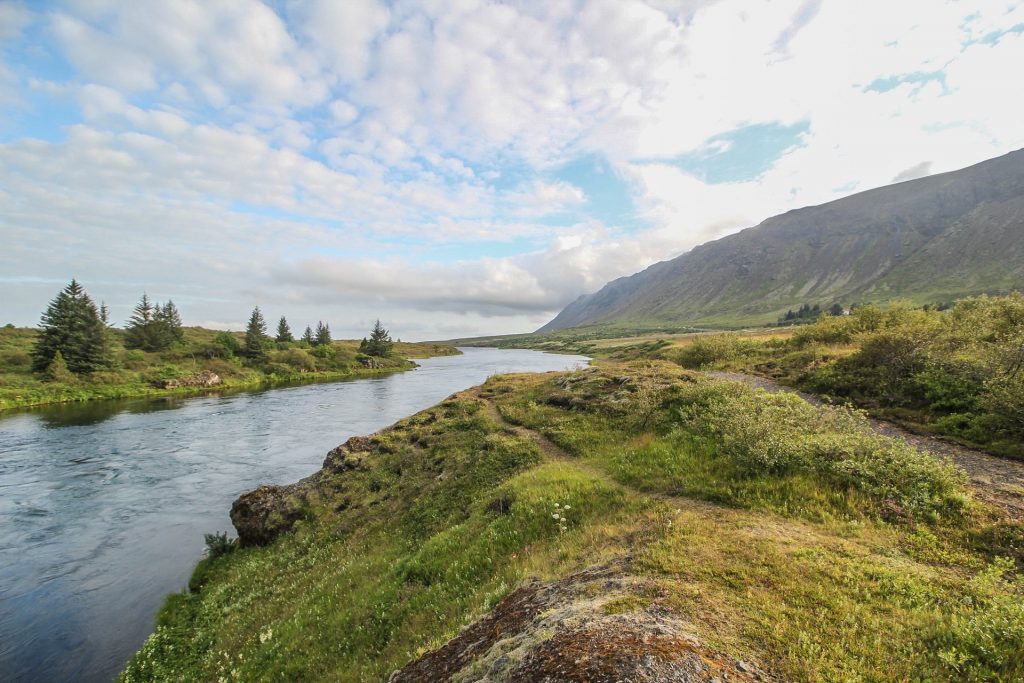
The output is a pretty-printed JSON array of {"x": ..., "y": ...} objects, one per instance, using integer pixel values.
[{"x": 458, "y": 167}]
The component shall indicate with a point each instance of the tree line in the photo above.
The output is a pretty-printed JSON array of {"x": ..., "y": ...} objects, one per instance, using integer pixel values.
[{"x": 75, "y": 334}]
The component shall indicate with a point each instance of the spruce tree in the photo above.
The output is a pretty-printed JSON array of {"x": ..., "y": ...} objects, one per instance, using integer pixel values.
[
  {"x": 139, "y": 333},
  {"x": 307, "y": 336},
  {"x": 379, "y": 343},
  {"x": 284, "y": 333},
  {"x": 58, "y": 371},
  {"x": 171, "y": 323},
  {"x": 72, "y": 326},
  {"x": 323, "y": 334},
  {"x": 256, "y": 335}
]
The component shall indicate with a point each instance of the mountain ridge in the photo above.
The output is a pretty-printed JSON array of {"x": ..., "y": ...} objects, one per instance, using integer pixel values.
[{"x": 935, "y": 238}]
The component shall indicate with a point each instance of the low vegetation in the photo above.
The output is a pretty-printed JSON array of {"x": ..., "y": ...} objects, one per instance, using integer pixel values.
[
  {"x": 957, "y": 371},
  {"x": 785, "y": 533}
]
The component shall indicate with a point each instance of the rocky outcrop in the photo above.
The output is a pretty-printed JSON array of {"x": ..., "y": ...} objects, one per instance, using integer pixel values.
[
  {"x": 200, "y": 379},
  {"x": 600, "y": 626},
  {"x": 260, "y": 516}
]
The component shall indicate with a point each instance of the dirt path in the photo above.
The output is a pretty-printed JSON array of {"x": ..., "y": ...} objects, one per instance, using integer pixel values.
[{"x": 994, "y": 479}]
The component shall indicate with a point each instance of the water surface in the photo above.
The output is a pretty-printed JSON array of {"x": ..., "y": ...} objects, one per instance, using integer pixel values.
[{"x": 103, "y": 506}]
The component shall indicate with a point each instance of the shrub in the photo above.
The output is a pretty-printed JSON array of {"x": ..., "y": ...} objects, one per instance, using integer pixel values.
[
  {"x": 710, "y": 349},
  {"x": 323, "y": 351},
  {"x": 773, "y": 433},
  {"x": 229, "y": 343},
  {"x": 218, "y": 544},
  {"x": 297, "y": 359}
]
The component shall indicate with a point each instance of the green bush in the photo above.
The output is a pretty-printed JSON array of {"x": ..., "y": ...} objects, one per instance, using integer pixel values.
[
  {"x": 296, "y": 359},
  {"x": 707, "y": 350},
  {"x": 775, "y": 433},
  {"x": 229, "y": 343},
  {"x": 323, "y": 351},
  {"x": 218, "y": 544}
]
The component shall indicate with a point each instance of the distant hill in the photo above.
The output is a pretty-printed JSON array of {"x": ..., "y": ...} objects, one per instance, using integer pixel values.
[{"x": 931, "y": 239}]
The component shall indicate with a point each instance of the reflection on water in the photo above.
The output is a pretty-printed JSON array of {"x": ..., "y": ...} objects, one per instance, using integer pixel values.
[{"x": 103, "y": 505}]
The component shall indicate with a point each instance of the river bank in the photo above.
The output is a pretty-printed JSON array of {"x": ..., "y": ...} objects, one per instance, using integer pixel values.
[{"x": 137, "y": 374}]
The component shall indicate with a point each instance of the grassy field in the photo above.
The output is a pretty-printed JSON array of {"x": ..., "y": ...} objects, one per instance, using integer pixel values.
[
  {"x": 135, "y": 373},
  {"x": 784, "y": 533}
]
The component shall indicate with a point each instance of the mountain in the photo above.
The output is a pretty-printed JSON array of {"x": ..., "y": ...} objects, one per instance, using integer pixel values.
[{"x": 932, "y": 239}]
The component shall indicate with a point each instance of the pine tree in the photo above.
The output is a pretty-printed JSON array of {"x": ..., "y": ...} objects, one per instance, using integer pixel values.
[
  {"x": 379, "y": 343},
  {"x": 153, "y": 327},
  {"x": 71, "y": 325},
  {"x": 104, "y": 313},
  {"x": 307, "y": 336},
  {"x": 323, "y": 334},
  {"x": 256, "y": 335},
  {"x": 139, "y": 331},
  {"x": 284, "y": 333},
  {"x": 171, "y": 319},
  {"x": 58, "y": 371}
]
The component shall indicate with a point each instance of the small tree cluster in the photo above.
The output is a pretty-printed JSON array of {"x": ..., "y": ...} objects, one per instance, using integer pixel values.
[
  {"x": 72, "y": 337},
  {"x": 153, "y": 327},
  {"x": 323, "y": 335},
  {"x": 379, "y": 343}
]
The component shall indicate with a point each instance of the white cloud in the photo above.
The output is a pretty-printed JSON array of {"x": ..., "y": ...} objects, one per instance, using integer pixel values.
[{"x": 344, "y": 153}]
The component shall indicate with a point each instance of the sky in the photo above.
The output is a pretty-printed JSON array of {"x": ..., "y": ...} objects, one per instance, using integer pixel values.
[{"x": 457, "y": 167}]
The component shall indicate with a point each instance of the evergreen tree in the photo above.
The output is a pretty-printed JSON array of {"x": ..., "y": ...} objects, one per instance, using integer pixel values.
[
  {"x": 379, "y": 343},
  {"x": 58, "y": 371},
  {"x": 153, "y": 327},
  {"x": 256, "y": 335},
  {"x": 104, "y": 313},
  {"x": 71, "y": 325},
  {"x": 307, "y": 336},
  {"x": 323, "y": 334},
  {"x": 139, "y": 332},
  {"x": 284, "y": 333},
  {"x": 170, "y": 320},
  {"x": 836, "y": 309}
]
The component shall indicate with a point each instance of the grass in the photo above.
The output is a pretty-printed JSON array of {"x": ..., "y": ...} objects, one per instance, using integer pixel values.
[
  {"x": 135, "y": 372},
  {"x": 454, "y": 507}
]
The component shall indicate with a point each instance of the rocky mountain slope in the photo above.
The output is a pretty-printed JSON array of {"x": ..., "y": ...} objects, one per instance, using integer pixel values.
[{"x": 931, "y": 239}]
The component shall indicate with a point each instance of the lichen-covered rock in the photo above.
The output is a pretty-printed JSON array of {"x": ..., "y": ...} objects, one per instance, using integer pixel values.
[
  {"x": 574, "y": 630},
  {"x": 262, "y": 515}
]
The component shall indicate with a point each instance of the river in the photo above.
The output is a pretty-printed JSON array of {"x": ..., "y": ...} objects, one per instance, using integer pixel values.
[{"x": 103, "y": 506}]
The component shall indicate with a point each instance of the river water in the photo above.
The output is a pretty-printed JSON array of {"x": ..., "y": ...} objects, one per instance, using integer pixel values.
[{"x": 103, "y": 506}]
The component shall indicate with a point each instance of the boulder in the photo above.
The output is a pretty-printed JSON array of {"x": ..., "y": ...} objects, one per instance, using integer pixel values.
[{"x": 262, "y": 515}]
